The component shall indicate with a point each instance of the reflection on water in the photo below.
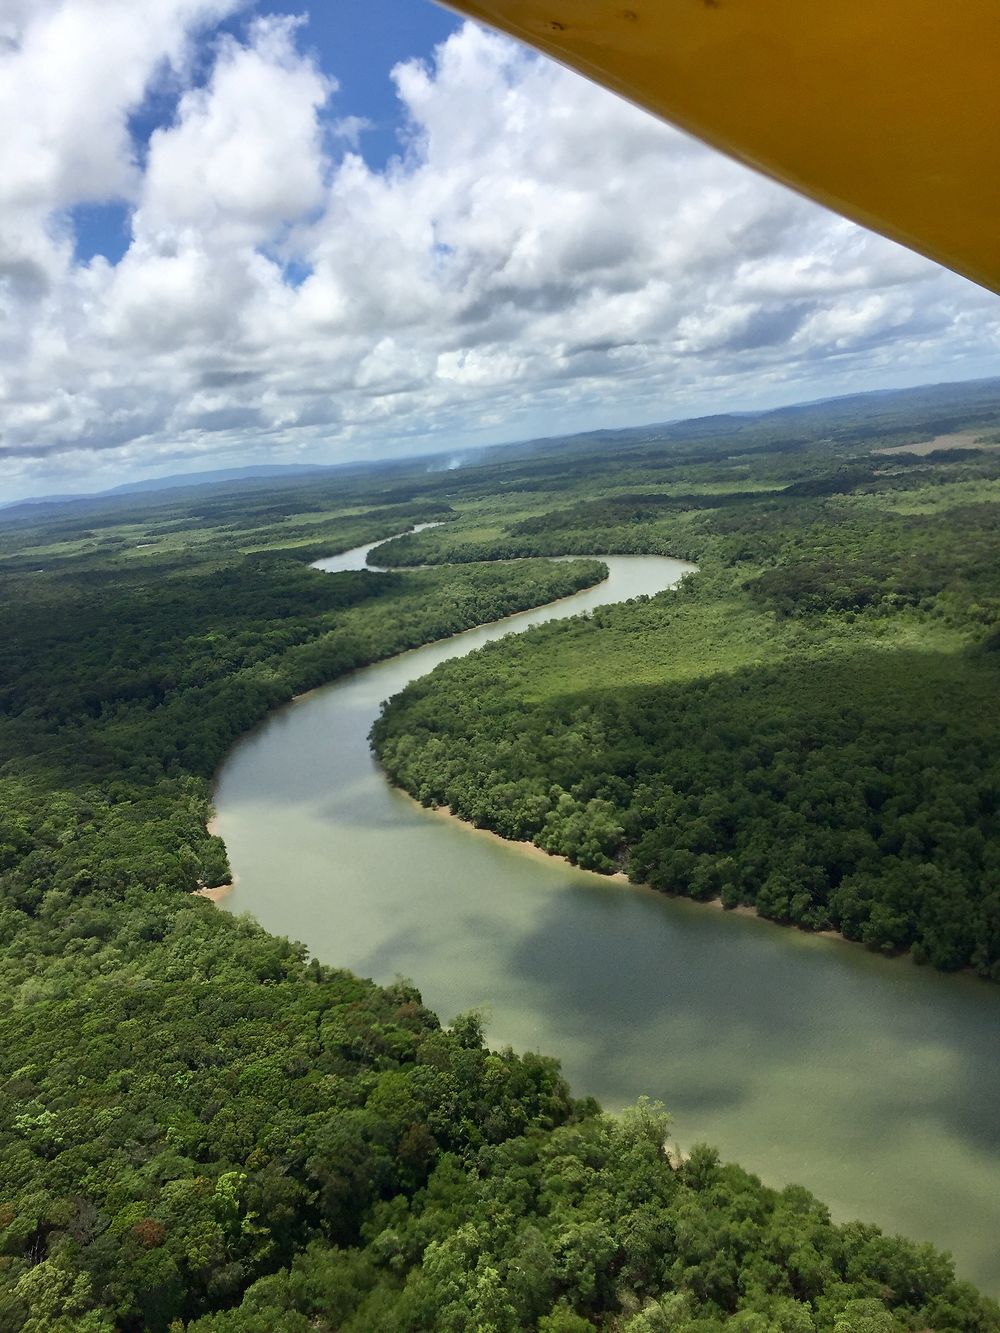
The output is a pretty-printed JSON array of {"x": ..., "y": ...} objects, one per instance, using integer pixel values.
[{"x": 873, "y": 1082}]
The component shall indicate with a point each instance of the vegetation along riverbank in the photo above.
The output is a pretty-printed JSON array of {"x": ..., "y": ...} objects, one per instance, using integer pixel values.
[
  {"x": 203, "y": 1129},
  {"x": 808, "y": 726}
]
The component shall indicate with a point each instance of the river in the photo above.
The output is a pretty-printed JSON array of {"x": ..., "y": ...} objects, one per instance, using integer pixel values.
[{"x": 873, "y": 1082}]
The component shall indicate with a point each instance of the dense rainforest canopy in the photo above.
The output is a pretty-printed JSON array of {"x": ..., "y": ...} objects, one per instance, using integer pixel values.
[
  {"x": 808, "y": 726},
  {"x": 201, "y": 1128}
]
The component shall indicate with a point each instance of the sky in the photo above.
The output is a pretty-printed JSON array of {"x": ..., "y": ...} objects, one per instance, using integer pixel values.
[{"x": 240, "y": 233}]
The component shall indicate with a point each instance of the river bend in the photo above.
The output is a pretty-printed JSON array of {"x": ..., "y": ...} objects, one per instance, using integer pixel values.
[{"x": 871, "y": 1081}]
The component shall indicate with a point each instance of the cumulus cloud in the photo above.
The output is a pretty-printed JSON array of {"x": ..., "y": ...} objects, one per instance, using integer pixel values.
[
  {"x": 245, "y": 154},
  {"x": 539, "y": 257},
  {"x": 72, "y": 72}
]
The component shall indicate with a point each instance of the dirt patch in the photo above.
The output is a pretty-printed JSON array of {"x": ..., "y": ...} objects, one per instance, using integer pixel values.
[
  {"x": 962, "y": 439},
  {"x": 216, "y": 894}
]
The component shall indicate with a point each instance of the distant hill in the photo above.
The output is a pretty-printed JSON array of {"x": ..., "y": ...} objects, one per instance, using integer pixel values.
[
  {"x": 893, "y": 414},
  {"x": 177, "y": 480},
  {"x": 218, "y": 474}
]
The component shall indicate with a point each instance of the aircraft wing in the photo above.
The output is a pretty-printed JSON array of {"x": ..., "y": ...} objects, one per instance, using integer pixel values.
[{"x": 887, "y": 111}]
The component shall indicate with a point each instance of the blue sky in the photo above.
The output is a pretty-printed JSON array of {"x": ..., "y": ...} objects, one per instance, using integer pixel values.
[
  {"x": 235, "y": 233},
  {"x": 359, "y": 41}
]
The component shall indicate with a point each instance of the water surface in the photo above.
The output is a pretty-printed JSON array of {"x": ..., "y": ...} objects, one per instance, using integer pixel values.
[{"x": 871, "y": 1081}]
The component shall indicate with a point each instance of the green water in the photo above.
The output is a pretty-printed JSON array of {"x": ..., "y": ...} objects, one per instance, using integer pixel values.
[{"x": 871, "y": 1081}]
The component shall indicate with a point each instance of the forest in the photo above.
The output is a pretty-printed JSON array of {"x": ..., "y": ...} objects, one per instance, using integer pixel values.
[
  {"x": 807, "y": 727},
  {"x": 204, "y": 1129}
]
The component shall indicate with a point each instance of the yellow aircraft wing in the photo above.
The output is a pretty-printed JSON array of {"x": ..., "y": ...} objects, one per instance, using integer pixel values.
[{"x": 887, "y": 111}]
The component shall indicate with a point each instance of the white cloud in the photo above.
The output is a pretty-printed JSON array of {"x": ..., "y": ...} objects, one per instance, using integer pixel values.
[
  {"x": 542, "y": 256},
  {"x": 245, "y": 155},
  {"x": 71, "y": 73}
]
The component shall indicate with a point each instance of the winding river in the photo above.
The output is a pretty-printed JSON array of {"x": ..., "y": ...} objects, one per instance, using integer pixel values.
[{"x": 873, "y": 1082}]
